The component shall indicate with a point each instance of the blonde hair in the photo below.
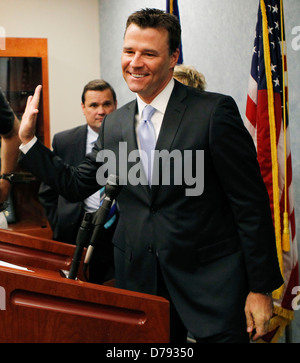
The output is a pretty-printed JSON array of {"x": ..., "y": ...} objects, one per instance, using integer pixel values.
[{"x": 189, "y": 76}]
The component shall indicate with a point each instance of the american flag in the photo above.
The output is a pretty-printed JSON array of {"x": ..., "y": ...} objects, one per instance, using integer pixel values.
[
  {"x": 172, "y": 8},
  {"x": 268, "y": 123}
]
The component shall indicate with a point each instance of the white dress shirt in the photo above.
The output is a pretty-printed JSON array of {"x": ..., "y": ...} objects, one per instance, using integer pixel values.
[{"x": 160, "y": 103}]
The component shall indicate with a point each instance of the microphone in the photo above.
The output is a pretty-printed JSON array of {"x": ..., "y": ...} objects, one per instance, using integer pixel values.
[
  {"x": 82, "y": 240},
  {"x": 112, "y": 189}
]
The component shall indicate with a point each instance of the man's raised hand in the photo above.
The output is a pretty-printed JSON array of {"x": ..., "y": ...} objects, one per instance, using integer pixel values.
[{"x": 28, "y": 124}]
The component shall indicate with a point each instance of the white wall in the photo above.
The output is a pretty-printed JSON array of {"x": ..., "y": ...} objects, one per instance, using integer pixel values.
[{"x": 72, "y": 29}]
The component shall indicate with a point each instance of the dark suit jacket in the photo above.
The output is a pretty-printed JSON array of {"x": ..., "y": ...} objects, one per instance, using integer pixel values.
[
  {"x": 64, "y": 216},
  {"x": 7, "y": 116},
  {"x": 212, "y": 248}
]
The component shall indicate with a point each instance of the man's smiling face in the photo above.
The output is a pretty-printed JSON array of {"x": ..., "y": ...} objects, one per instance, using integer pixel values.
[{"x": 146, "y": 63}]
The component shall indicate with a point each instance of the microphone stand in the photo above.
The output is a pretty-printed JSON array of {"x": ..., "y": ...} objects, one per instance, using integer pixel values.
[
  {"x": 92, "y": 225},
  {"x": 112, "y": 189},
  {"x": 82, "y": 240}
]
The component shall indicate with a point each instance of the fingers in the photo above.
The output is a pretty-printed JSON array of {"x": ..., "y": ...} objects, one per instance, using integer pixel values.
[
  {"x": 256, "y": 327},
  {"x": 250, "y": 324},
  {"x": 32, "y": 104},
  {"x": 261, "y": 330},
  {"x": 249, "y": 321},
  {"x": 35, "y": 100},
  {"x": 258, "y": 312},
  {"x": 28, "y": 100},
  {"x": 28, "y": 124}
]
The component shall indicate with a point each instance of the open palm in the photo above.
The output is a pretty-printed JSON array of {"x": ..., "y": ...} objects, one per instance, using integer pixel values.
[{"x": 28, "y": 124}]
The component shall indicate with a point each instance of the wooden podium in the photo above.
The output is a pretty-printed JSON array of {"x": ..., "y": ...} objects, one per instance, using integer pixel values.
[{"x": 39, "y": 305}]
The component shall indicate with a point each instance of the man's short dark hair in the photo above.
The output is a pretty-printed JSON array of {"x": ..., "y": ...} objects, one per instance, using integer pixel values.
[
  {"x": 98, "y": 85},
  {"x": 155, "y": 18}
]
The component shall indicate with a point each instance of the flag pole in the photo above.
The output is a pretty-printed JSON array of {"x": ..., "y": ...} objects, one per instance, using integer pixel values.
[
  {"x": 286, "y": 232},
  {"x": 274, "y": 156}
]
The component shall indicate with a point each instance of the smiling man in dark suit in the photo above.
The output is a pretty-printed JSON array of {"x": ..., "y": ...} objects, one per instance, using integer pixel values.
[{"x": 213, "y": 254}]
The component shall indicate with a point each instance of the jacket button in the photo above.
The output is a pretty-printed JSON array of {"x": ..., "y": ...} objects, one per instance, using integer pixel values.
[
  {"x": 153, "y": 210},
  {"x": 150, "y": 249}
]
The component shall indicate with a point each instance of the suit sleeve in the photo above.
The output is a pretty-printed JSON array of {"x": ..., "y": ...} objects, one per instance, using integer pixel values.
[
  {"x": 235, "y": 161},
  {"x": 48, "y": 197},
  {"x": 7, "y": 116},
  {"x": 73, "y": 183}
]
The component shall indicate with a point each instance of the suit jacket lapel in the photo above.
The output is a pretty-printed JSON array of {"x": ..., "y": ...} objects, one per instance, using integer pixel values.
[
  {"x": 171, "y": 122},
  {"x": 82, "y": 142},
  {"x": 128, "y": 127},
  {"x": 77, "y": 139},
  {"x": 173, "y": 116}
]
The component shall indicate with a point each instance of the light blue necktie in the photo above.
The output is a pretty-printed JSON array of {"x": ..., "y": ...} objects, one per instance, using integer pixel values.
[
  {"x": 113, "y": 210},
  {"x": 147, "y": 140}
]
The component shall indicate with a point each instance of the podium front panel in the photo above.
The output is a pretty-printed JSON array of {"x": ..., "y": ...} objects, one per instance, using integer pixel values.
[{"x": 38, "y": 305}]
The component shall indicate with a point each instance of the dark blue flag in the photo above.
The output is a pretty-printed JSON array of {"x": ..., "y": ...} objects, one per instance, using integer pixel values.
[{"x": 172, "y": 8}]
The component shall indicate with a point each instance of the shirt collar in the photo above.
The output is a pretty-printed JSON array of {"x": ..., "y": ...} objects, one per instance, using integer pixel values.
[
  {"x": 91, "y": 135},
  {"x": 160, "y": 102}
]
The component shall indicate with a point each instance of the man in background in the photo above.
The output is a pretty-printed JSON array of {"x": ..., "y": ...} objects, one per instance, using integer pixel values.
[{"x": 98, "y": 99}]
